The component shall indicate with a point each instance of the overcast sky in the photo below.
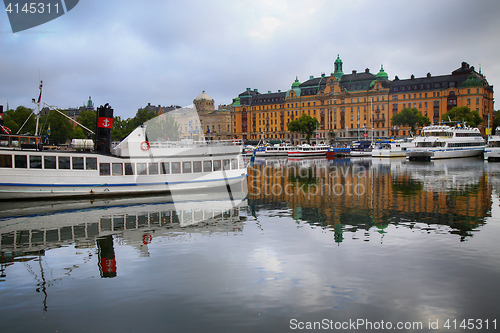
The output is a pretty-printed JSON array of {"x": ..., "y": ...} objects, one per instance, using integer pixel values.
[{"x": 130, "y": 53}]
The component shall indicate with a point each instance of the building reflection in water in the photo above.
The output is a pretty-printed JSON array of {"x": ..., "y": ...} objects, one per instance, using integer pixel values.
[{"x": 361, "y": 193}]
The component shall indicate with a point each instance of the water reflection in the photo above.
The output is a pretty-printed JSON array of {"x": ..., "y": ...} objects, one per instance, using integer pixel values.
[
  {"x": 346, "y": 244},
  {"x": 346, "y": 195},
  {"x": 28, "y": 230}
]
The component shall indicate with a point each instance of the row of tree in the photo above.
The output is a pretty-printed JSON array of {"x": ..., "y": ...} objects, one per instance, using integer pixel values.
[
  {"x": 408, "y": 117},
  {"x": 59, "y": 129}
]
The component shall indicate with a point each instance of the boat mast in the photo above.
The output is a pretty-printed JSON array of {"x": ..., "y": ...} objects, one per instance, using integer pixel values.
[{"x": 38, "y": 113}]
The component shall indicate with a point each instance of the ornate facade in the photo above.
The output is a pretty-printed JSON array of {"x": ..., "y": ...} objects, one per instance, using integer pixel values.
[{"x": 356, "y": 105}]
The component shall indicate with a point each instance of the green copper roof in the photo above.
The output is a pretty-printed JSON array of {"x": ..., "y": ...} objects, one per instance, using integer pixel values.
[
  {"x": 337, "y": 67},
  {"x": 296, "y": 83},
  {"x": 382, "y": 75},
  {"x": 472, "y": 81}
]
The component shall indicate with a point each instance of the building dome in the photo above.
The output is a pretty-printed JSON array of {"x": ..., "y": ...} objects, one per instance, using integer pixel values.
[
  {"x": 203, "y": 96},
  {"x": 382, "y": 75}
]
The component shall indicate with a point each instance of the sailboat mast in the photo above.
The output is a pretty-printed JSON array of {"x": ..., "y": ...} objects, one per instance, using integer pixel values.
[{"x": 38, "y": 113}]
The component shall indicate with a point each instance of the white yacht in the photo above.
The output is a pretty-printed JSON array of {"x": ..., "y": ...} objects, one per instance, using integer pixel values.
[
  {"x": 273, "y": 150},
  {"x": 440, "y": 141},
  {"x": 492, "y": 151},
  {"x": 308, "y": 150},
  {"x": 393, "y": 148}
]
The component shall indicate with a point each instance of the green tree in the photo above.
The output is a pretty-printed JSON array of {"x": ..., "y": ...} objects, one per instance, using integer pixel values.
[
  {"x": 121, "y": 128},
  {"x": 61, "y": 128},
  {"x": 141, "y": 117},
  {"x": 305, "y": 125},
  {"x": 88, "y": 119},
  {"x": 463, "y": 114},
  {"x": 163, "y": 127},
  {"x": 410, "y": 117},
  {"x": 14, "y": 119}
]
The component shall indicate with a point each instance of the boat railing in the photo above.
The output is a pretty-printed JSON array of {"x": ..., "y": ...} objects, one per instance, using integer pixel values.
[{"x": 192, "y": 143}]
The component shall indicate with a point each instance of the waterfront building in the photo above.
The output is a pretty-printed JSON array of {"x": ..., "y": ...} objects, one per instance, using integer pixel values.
[
  {"x": 359, "y": 104},
  {"x": 215, "y": 124}
]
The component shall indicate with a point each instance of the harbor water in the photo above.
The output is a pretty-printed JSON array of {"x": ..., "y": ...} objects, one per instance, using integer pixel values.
[{"x": 347, "y": 245}]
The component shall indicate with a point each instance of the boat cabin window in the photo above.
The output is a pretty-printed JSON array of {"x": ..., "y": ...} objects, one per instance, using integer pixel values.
[
  {"x": 14, "y": 142},
  {"x": 5, "y": 161},
  {"x": 63, "y": 162},
  {"x": 176, "y": 167},
  {"x": 234, "y": 164},
  {"x": 186, "y": 167},
  {"x": 225, "y": 164},
  {"x": 117, "y": 169},
  {"x": 104, "y": 169},
  {"x": 217, "y": 165},
  {"x": 197, "y": 166},
  {"x": 35, "y": 162},
  {"x": 129, "y": 169},
  {"x": 91, "y": 163},
  {"x": 21, "y": 161},
  {"x": 153, "y": 168},
  {"x": 165, "y": 168},
  {"x": 207, "y": 166},
  {"x": 142, "y": 169},
  {"x": 4, "y": 141},
  {"x": 77, "y": 163},
  {"x": 49, "y": 162}
]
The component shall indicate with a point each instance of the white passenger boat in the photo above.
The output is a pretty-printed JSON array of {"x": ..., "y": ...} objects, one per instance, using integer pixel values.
[
  {"x": 393, "y": 148},
  {"x": 135, "y": 166},
  {"x": 361, "y": 148},
  {"x": 273, "y": 150},
  {"x": 441, "y": 141},
  {"x": 492, "y": 150},
  {"x": 305, "y": 150}
]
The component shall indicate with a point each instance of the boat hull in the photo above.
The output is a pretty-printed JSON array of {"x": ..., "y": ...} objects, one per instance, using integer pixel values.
[
  {"x": 432, "y": 154},
  {"x": 492, "y": 154}
]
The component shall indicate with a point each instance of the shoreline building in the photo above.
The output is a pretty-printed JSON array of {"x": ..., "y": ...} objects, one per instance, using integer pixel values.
[
  {"x": 215, "y": 124},
  {"x": 359, "y": 104}
]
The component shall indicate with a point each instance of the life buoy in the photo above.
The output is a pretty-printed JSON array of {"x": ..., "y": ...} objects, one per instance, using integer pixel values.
[
  {"x": 146, "y": 239},
  {"x": 145, "y": 145}
]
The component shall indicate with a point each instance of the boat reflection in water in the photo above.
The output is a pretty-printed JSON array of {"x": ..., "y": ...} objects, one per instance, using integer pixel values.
[{"x": 26, "y": 233}]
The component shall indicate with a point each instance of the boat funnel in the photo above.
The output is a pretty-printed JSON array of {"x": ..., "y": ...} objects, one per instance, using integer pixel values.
[{"x": 104, "y": 126}]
